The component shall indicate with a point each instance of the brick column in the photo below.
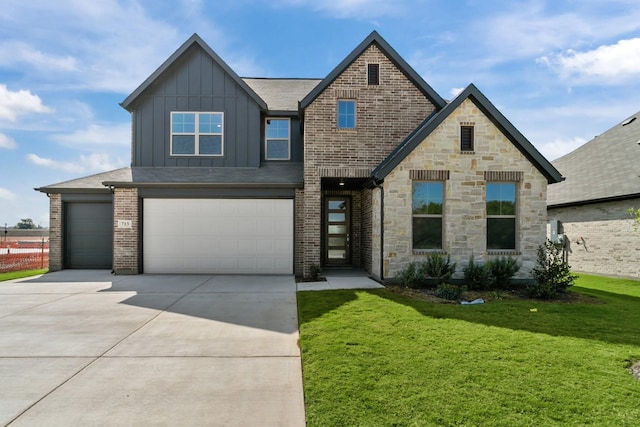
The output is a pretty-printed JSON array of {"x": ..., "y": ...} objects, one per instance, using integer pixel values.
[
  {"x": 126, "y": 215},
  {"x": 55, "y": 232},
  {"x": 312, "y": 213}
]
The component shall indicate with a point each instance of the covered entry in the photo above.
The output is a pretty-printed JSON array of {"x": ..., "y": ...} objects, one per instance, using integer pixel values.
[{"x": 88, "y": 237}]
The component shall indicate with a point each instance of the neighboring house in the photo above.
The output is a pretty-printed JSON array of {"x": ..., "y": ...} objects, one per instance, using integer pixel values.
[
  {"x": 602, "y": 184},
  {"x": 368, "y": 167}
]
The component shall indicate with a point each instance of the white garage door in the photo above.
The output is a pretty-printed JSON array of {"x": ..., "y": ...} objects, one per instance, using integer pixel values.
[{"x": 233, "y": 236}]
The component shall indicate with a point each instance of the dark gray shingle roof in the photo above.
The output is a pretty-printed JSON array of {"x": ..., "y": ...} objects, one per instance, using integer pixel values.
[
  {"x": 281, "y": 94},
  {"x": 89, "y": 184},
  {"x": 607, "y": 167}
]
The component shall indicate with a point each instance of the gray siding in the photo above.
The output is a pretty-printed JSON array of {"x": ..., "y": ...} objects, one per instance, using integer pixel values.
[{"x": 196, "y": 83}]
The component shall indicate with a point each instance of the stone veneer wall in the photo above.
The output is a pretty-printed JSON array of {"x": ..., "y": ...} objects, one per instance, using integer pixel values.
[
  {"x": 611, "y": 244},
  {"x": 385, "y": 115},
  {"x": 126, "y": 206},
  {"x": 55, "y": 231},
  {"x": 464, "y": 204}
]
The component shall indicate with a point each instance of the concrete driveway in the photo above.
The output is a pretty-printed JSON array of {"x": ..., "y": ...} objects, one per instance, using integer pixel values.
[{"x": 88, "y": 348}]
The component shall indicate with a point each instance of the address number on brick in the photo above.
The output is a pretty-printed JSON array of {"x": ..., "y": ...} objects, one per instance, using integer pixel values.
[{"x": 124, "y": 223}]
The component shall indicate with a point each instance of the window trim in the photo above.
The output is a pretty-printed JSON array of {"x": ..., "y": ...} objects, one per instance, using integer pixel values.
[
  {"x": 514, "y": 217},
  {"x": 338, "y": 114},
  {"x": 375, "y": 67},
  {"x": 440, "y": 216},
  {"x": 267, "y": 139},
  {"x": 196, "y": 134},
  {"x": 469, "y": 128}
]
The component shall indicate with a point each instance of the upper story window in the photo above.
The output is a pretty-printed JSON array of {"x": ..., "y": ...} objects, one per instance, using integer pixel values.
[
  {"x": 373, "y": 74},
  {"x": 197, "y": 134},
  {"x": 466, "y": 138},
  {"x": 501, "y": 215},
  {"x": 346, "y": 114},
  {"x": 427, "y": 211},
  {"x": 277, "y": 139}
]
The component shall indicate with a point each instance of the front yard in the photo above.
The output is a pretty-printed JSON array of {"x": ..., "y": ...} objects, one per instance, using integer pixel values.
[{"x": 380, "y": 358}]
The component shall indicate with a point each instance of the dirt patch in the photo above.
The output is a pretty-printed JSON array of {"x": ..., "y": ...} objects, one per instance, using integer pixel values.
[
  {"x": 635, "y": 370},
  {"x": 428, "y": 294}
]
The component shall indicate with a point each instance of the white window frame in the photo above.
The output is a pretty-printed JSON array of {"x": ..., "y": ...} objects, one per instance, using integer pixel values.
[
  {"x": 267, "y": 139},
  {"x": 196, "y": 134},
  {"x": 355, "y": 115}
]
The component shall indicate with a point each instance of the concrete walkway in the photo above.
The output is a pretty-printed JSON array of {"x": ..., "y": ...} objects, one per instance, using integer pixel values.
[
  {"x": 81, "y": 348},
  {"x": 341, "y": 279}
]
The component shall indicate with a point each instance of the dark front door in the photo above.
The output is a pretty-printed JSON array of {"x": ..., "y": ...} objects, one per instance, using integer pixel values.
[{"x": 337, "y": 228}]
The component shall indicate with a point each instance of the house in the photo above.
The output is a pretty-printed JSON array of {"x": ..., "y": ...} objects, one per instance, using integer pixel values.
[
  {"x": 368, "y": 168},
  {"x": 591, "y": 207}
]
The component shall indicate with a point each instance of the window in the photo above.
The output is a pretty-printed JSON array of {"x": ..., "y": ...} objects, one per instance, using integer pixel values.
[
  {"x": 501, "y": 216},
  {"x": 466, "y": 138},
  {"x": 427, "y": 211},
  {"x": 346, "y": 114},
  {"x": 196, "y": 134},
  {"x": 277, "y": 146},
  {"x": 373, "y": 74}
]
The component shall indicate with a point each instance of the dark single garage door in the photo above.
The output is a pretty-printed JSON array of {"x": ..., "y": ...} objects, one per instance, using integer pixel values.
[{"x": 88, "y": 235}]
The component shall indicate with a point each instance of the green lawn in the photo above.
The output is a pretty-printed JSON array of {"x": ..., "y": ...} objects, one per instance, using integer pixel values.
[
  {"x": 20, "y": 274},
  {"x": 377, "y": 358}
]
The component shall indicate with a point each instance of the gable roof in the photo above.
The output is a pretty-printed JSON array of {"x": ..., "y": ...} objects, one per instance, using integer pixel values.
[
  {"x": 88, "y": 184},
  {"x": 491, "y": 112},
  {"x": 193, "y": 40},
  {"x": 282, "y": 95},
  {"x": 605, "y": 168},
  {"x": 402, "y": 65}
]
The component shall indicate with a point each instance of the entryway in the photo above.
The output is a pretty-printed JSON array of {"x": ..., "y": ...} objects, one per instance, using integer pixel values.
[{"x": 337, "y": 231}]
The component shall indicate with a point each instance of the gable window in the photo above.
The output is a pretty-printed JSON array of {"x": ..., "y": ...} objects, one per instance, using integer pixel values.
[
  {"x": 427, "y": 204},
  {"x": 501, "y": 216},
  {"x": 373, "y": 74},
  {"x": 196, "y": 134},
  {"x": 346, "y": 114},
  {"x": 277, "y": 139},
  {"x": 466, "y": 138}
]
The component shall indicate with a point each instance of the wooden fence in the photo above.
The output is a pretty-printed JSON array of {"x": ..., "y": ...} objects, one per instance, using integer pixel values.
[{"x": 24, "y": 255}]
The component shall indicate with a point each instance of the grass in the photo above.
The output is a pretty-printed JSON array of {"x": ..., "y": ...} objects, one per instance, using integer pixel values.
[
  {"x": 378, "y": 358},
  {"x": 20, "y": 274}
]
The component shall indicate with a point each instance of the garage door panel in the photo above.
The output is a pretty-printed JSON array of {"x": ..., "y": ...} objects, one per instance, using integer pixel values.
[
  {"x": 218, "y": 236},
  {"x": 88, "y": 235}
]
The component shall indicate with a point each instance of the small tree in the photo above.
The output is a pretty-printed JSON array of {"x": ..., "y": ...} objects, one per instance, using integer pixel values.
[
  {"x": 552, "y": 274},
  {"x": 635, "y": 214},
  {"x": 26, "y": 224}
]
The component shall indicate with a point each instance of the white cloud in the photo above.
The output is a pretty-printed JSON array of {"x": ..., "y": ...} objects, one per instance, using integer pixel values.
[
  {"x": 355, "y": 9},
  {"x": 455, "y": 91},
  {"x": 6, "y": 194},
  {"x": 7, "y": 142},
  {"x": 609, "y": 64},
  {"x": 559, "y": 147},
  {"x": 94, "y": 134},
  {"x": 17, "y": 54},
  {"x": 97, "y": 162},
  {"x": 13, "y": 104}
]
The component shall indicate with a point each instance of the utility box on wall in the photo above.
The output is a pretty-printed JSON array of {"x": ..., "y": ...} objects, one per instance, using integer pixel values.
[{"x": 556, "y": 233}]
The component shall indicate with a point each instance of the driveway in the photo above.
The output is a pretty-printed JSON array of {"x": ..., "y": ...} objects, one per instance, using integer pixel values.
[{"x": 87, "y": 348}]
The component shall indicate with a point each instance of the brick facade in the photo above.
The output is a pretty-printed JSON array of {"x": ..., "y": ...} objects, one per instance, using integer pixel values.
[
  {"x": 602, "y": 238},
  {"x": 55, "y": 232},
  {"x": 464, "y": 219},
  {"x": 385, "y": 115},
  {"x": 126, "y": 206}
]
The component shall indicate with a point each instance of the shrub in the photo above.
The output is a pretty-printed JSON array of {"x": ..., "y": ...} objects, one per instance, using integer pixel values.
[
  {"x": 438, "y": 267},
  {"x": 314, "y": 272},
  {"x": 501, "y": 270},
  {"x": 450, "y": 292},
  {"x": 552, "y": 274},
  {"x": 409, "y": 277},
  {"x": 476, "y": 275}
]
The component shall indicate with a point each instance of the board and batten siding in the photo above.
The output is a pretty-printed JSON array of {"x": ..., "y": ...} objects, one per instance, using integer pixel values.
[{"x": 196, "y": 83}]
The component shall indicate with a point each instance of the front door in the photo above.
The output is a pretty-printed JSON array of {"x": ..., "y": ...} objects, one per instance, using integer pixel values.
[{"x": 337, "y": 225}]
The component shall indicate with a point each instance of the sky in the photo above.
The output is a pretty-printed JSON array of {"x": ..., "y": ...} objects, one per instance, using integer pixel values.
[{"x": 561, "y": 71}]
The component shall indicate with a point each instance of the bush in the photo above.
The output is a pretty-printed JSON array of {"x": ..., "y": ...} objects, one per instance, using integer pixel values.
[
  {"x": 438, "y": 267},
  {"x": 450, "y": 292},
  {"x": 501, "y": 270},
  {"x": 476, "y": 276},
  {"x": 314, "y": 272},
  {"x": 409, "y": 277},
  {"x": 552, "y": 275}
]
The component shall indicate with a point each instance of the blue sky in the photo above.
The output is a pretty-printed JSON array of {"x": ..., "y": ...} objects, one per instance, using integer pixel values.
[{"x": 560, "y": 71}]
